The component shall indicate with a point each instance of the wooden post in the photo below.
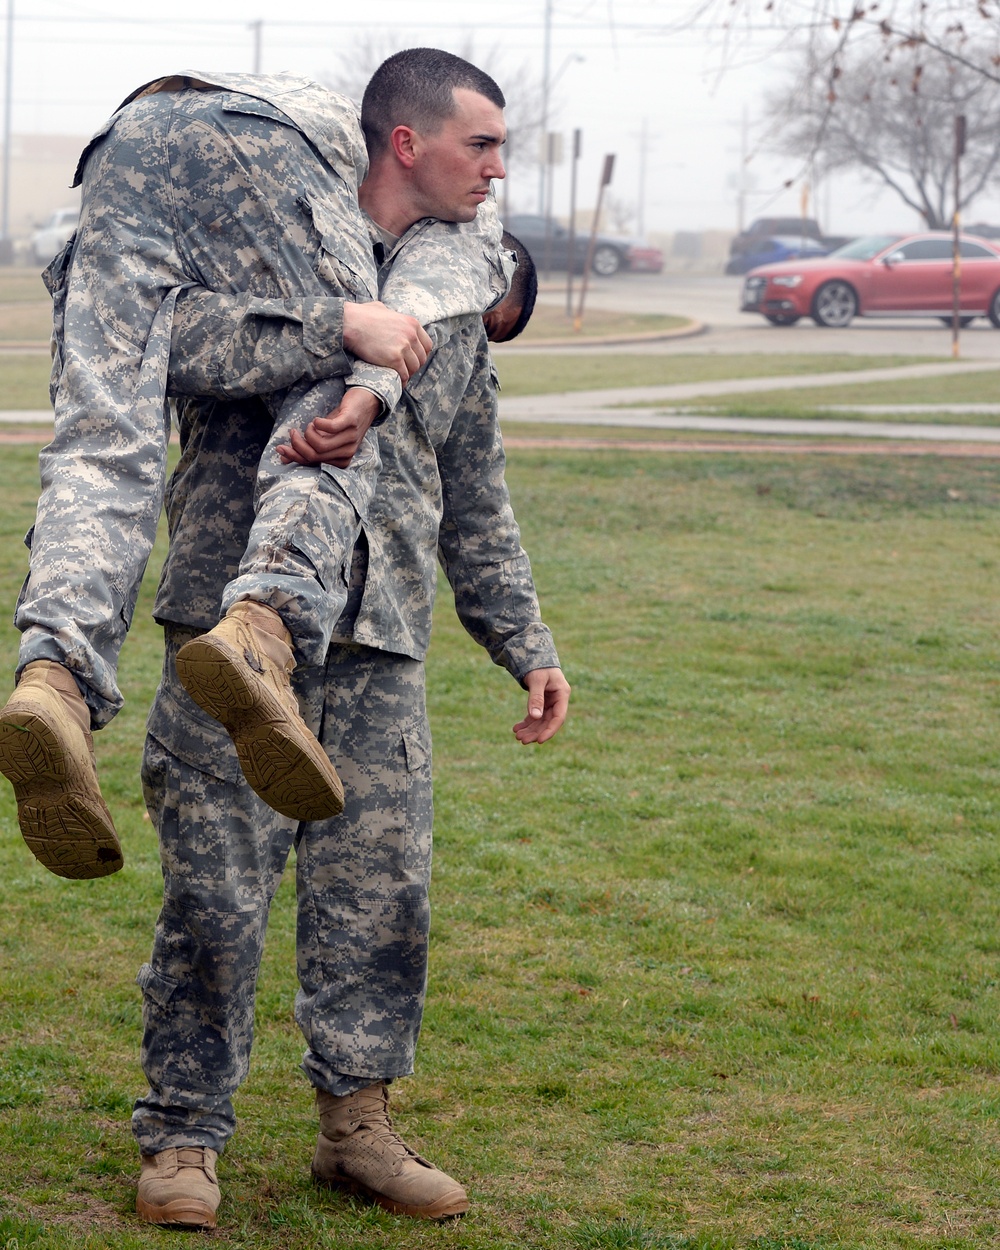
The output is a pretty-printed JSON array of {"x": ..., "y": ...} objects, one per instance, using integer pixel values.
[
  {"x": 956, "y": 269},
  {"x": 606, "y": 172},
  {"x": 571, "y": 257}
]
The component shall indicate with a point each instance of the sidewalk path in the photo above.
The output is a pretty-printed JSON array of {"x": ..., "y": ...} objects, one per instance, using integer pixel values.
[
  {"x": 582, "y": 406},
  {"x": 608, "y": 408},
  {"x": 643, "y": 419}
]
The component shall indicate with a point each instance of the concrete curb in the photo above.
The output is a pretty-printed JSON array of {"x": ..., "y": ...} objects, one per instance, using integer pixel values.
[{"x": 690, "y": 331}]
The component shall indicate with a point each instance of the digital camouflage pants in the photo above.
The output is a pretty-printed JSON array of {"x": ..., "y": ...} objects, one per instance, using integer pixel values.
[{"x": 362, "y": 881}]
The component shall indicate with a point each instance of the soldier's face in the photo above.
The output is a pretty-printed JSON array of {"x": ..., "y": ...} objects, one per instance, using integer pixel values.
[{"x": 453, "y": 167}]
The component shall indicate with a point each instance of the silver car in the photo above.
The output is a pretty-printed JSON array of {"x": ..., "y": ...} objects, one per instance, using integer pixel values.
[{"x": 50, "y": 237}]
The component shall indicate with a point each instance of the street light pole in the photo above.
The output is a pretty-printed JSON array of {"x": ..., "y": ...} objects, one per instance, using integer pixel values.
[
  {"x": 6, "y": 250},
  {"x": 956, "y": 264},
  {"x": 258, "y": 31},
  {"x": 546, "y": 87},
  {"x": 641, "y": 222}
]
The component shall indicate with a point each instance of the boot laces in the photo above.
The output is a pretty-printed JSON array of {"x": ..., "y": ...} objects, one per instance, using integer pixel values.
[{"x": 373, "y": 1116}]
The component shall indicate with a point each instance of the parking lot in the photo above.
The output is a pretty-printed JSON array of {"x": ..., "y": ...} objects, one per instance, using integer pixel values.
[{"x": 714, "y": 300}]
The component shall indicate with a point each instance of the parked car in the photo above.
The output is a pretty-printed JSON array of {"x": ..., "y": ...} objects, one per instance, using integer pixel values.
[
  {"x": 769, "y": 227},
  {"x": 770, "y": 250},
  {"x": 879, "y": 275},
  {"x": 610, "y": 254},
  {"x": 53, "y": 234}
]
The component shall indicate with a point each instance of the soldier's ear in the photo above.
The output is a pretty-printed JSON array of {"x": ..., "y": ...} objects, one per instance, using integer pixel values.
[{"x": 405, "y": 144}]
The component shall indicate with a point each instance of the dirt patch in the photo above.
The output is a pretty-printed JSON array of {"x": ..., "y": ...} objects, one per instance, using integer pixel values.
[{"x": 853, "y": 447}]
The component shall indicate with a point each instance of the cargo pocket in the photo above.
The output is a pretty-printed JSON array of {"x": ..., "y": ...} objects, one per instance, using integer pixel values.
[
  {"x": 156, "y": 987},
  {"x": 419, "y": 808},
  {"x": 344, "y": 257},
  {"x": 56, "y": 279}
]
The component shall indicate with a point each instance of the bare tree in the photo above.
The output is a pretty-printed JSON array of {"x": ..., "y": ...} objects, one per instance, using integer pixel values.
[
  {"x": 957, "y": 30},
  {"x": 619, "y": 214},
  {"x": 892, "y": 118}
]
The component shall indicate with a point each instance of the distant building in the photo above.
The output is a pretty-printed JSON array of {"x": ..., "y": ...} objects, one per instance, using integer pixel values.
[{"x": 41, "y": 170}]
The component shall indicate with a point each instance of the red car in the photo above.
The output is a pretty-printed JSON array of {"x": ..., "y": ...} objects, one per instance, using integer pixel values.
[
  {"x": 644, "y": 258},
  {"x": 879, "y": 276}
]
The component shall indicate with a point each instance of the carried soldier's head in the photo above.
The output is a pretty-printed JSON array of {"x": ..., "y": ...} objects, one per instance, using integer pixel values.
[{"x": 512, "y": 314}]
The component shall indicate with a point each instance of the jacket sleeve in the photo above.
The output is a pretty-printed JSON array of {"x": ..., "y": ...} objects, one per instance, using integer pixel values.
[
  {"x": 479, "y": 543},
  {"x": 236, "y": 346},
  {"x": 441, "y": 273}
]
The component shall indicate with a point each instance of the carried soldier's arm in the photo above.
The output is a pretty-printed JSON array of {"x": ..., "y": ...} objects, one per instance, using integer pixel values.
[{"x": 236, "y": 346}]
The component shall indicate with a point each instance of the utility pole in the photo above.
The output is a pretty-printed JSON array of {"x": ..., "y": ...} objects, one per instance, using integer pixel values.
[
  {"x": 509, "y": 148},
  {"x": 6, "y": 244},
  {"x": 640, "y": 222},
  {"x": 546, "y": 87},
  {"x": 258, "y": 36},
  {"x": 571, "y": 255},
  {"x": 956, "y": 266},
  {"x": 741, "y": 211},
  {"x": 553, "y": 157}
]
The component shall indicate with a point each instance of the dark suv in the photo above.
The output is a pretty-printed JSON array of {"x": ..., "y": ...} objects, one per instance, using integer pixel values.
[
  {"x": 783, "y": 227},
  {"x": 610, "y": 254}
]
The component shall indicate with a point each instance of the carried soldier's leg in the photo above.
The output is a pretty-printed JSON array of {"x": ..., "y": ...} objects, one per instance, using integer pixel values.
[
  {"x": 280, "y": 610},
  {"x": 47, "y": 753},
  {"x": 102, "y": 489}
]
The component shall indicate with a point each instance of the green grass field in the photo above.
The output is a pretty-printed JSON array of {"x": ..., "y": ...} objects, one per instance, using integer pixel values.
[
  {"x": 980, "y": 388},
  {"x": 716, "y": 969},
  {"x": 549, "y": 322},
  {"x": 24, "y": 379}
]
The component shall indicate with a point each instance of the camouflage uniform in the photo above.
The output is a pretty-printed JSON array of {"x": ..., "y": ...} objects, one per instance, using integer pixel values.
[
  {"x": 240, "y": 185},
  {"x": 362, "y": 877}
]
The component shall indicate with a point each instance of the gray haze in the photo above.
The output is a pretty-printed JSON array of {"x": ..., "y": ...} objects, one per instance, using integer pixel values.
[{"x": 72, "y": 66}]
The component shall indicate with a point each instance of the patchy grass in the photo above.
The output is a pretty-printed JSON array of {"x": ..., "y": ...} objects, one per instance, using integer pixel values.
[
  {"x": 24, "y": 381},
  {"x": 538, "y": 374},
  {"x": 551, "y": 322},
  {"x": 969, "y": 388},
  {"x": 715, "y": 970},
  {"x": 22, "y": 285}
]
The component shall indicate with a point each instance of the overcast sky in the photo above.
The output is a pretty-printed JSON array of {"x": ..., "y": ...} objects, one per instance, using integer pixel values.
[{"x": 74, "y": 62}]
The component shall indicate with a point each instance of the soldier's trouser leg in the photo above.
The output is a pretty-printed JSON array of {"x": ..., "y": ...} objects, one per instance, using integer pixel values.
[
  {"x": 223, "y": 852},
  {"x": 362, "y": 898},
  {"x": 299, "y": 551},
  {"x": 363, "y": 876}
]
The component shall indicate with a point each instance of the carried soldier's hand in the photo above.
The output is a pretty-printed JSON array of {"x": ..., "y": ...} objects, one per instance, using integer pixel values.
[
  {"x": 376, "y": 334},
  {"x": 335, "y": 438}
]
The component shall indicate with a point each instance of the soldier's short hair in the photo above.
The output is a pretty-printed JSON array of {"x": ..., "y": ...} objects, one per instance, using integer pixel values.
[{"x": 416, "y": 88}]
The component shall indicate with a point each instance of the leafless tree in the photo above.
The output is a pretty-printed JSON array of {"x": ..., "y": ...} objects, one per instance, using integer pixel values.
[
  {"x": 619, "y": 215},
  {"x": 892, "y": 118},
  {"x": 957, "y": 30}
]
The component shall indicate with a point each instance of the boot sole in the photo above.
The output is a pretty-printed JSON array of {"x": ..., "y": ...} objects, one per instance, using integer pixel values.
[
  {"x": 282, "y": 762},
  {"x": 69, "y": 833},
  {"x": 182, "y": 1212},
  {"x": 443, "y": 1209}
]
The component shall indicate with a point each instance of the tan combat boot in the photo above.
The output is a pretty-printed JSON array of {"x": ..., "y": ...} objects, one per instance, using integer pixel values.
[
  {"x": 239, "y": 673},
  {"x": 178, "y": 1186},
  {"x": 47, "y": 753},
  {"x": 359, "y": 1150}
]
